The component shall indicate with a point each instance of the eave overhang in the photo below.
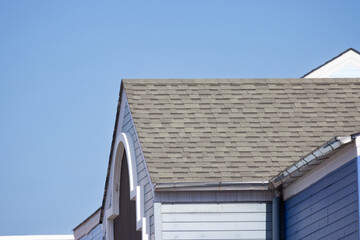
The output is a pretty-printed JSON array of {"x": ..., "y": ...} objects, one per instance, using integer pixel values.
[
  {"x": 213, "y": 186},
  {"x": 310, "y": 161}
]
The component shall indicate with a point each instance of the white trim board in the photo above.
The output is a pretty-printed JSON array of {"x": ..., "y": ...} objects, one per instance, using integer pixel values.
[
  {"x": 124, "y": 142},
  {"x": 38, "y": 237},
  {"x": 345, "y": 155}
]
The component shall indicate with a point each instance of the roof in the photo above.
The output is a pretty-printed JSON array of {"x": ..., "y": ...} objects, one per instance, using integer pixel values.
[
  {"x": 201, "y": 130},
  {"x": 331, "y": 60},
  {"x": 87, "y": 225},
  {"x": 311, "y": 160}
]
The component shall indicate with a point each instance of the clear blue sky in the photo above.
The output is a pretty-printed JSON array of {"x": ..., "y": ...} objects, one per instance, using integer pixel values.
[{"x": 60, "y": 68}]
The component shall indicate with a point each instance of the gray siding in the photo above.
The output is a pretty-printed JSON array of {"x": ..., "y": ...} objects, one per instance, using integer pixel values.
[
  {"x": 213, "y": 196},
  {"x": 143, "y": 178},
  {"x": 95, "y": 234},
  {"x": 215, "y": 221},
  {"x": 328, "y": 209}
]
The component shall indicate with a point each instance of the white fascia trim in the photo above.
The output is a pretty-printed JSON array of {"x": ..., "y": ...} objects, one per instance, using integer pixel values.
[
  {"x": 213, "y": 186},
  {"x": 139, "y": 206},
  {"x": 124, "y": 142},
  {"x": 126, "y": 139},
  {"x": 37, "y": 237},
  {"x": 340, "y": 158},
  {"x": 157, "y": 221}
]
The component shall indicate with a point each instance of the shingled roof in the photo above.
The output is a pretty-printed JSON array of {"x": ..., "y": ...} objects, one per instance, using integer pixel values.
[{"x": 199, "y": 130}]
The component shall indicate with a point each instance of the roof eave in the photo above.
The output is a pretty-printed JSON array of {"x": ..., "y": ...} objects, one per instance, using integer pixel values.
[
  {"x": 310, "y": 161},
  {"x": 213, "y": 186}
]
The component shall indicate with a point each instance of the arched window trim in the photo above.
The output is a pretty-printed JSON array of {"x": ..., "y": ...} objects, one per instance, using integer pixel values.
[{"x": 124, "y": 143}]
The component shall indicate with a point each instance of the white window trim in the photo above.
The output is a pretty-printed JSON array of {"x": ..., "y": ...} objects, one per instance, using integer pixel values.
[{"x": 124, "y": 142}]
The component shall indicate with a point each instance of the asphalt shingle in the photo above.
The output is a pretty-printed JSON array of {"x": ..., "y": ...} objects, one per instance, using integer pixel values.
[{"x": 196, "y": 130}]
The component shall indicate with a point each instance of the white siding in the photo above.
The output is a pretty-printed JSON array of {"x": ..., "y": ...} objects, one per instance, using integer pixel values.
[
  {"x": 349, "y": 71},
  {"x": 143, "y": 178},
  {"x": 215, "y": 221},
  {"x": 346, "y": 65}
]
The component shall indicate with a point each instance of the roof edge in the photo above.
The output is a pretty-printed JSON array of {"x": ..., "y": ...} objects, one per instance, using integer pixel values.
[
  {"x": 87, "y": 225},
  {"x": 88, "y": 218},
  {"x": 211, "y": 186},
  {"x": 111, "y": 150},
  {"x": 310, "y": 161},
  {"x": 347, "y": 50}
]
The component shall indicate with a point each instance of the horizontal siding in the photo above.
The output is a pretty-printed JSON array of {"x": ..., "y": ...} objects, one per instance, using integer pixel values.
[
  {"x": 143, "y": 178},
  {"x": 216, "y": 221},
  {"x": 328, "y": 209}
]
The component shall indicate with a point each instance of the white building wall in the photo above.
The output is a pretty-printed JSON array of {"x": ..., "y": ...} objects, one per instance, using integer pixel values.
[
  {"x": 347, "y": 65},
  {"x": 349, "y": 71},
  {"x": 213, "y": 221}
]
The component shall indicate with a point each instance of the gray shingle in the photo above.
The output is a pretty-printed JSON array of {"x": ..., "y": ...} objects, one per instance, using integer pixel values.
[{"x": 194, "y": 130}]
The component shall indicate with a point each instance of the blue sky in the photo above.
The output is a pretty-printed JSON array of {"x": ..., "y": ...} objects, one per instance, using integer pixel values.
[{"x": 61, "y": 63}]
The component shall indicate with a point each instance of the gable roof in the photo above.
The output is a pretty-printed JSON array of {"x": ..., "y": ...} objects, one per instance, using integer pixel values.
[
  {"x": 237, "y": 129},
  {"x": 350, "y": 56}
]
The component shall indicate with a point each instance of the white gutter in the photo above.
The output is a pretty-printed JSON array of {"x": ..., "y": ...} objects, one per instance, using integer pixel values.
[
  {"x": 213, "y": 186},
  {"x": 311, "y": 160}
]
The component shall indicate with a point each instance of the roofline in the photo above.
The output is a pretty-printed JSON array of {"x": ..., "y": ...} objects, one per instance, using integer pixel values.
[
  {"x": 211, "y": 186},
  {"x": 111, "y": 150},
  {"x": 87, "y": 225},
  {"x": 88, "y": 218},
  {"x": 350, "y": 49},
  {"x": 311, "y": 160}
]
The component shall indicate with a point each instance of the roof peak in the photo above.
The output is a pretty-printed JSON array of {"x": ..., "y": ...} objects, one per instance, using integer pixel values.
[{"x": 331, "y": 60}]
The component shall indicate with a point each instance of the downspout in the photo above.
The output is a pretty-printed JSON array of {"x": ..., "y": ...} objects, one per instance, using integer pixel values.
[
  {"x": 276, "y": 224},
  {"x": 357, "y": 145}
]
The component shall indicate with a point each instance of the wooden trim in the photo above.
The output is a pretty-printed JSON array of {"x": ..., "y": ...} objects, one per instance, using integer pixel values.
[
  {"x": 86, "y": 226},
  {"x": 124, "y": 143}
]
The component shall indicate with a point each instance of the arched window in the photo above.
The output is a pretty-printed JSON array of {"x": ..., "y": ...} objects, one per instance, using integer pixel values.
[
  {"x": 127, "y": 197},
  {"x": 125, "y": 222}
]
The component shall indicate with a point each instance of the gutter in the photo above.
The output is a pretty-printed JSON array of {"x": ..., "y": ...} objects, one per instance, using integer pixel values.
[
  {"x": 212, "y": 186},
  {"x": 311, "y": 160}
]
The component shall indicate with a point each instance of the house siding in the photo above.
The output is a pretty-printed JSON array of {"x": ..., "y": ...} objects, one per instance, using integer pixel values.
[
  {"x": 214, "y": 221},
  {"x": 142, "y": 173},
  {"x": 213, "y": 196},
  {"x": 349, "y": 71},
  {"x": 327, "y": 209},
  {"x": 95, "y": 234}
]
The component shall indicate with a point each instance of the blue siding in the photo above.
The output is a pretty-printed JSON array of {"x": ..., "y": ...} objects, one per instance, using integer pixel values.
[
  {"x": 327, "y": 209},
  {"x": 95, "y": 234}
]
